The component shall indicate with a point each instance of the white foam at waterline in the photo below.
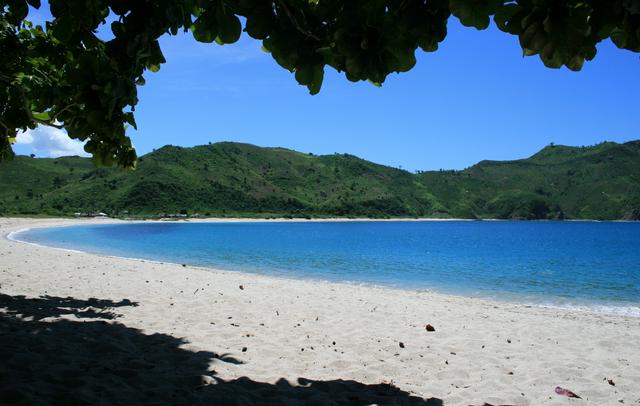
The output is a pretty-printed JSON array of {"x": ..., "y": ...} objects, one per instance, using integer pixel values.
[
  {"x": 12, "y": 237},
  {"x": 613, "y": 310}
]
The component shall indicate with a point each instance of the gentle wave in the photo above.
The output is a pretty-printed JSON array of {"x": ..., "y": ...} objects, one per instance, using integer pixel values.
[
  {"x": 12, "y": 236},
  {"x": 627, "y": 311}
]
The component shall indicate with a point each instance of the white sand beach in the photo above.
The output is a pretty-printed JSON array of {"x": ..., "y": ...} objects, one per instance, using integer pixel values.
[{"x": 77, "y": 328}]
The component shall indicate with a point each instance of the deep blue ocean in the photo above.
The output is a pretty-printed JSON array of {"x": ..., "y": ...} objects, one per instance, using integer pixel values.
[{"x": 593, "y": 265}]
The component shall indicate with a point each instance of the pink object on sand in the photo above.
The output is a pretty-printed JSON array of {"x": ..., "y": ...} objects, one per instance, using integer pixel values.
[{"x": 566, "y": 392}]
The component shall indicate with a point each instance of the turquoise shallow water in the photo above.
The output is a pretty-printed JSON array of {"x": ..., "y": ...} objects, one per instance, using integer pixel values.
[{"x": 594, "y": 265}]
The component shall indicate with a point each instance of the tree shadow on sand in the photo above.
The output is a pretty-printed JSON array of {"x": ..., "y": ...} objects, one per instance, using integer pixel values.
[{"x": 85, "y": 359}]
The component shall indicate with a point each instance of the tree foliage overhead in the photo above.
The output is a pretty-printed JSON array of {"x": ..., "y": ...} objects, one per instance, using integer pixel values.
[{"x": 66, "y": 75}]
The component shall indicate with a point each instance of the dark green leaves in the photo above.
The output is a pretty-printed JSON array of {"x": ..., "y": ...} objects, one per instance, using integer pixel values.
[
  {"x": 503, "y": 17},
  {"x": 259, "y": 23},
  {"x": 627, "y": 35},
  {"x": 475, "y": 13},
  {"x": 229, "y": 27},
  {"x": 217, "y": 24},
  {"x": 155, "y": 58},
  {"x": 205, "y": 28},
  {"x": 67, "y": 74},
  {"x": 311, "y": 76},
  {"x": 18, "y": 10},
  {"x": 560, "y": 33}
]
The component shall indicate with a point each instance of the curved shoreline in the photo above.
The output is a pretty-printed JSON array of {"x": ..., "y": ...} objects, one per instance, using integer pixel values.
[
  {"x": 603, "y": 308},
  {"x": 482, "y": 351}
]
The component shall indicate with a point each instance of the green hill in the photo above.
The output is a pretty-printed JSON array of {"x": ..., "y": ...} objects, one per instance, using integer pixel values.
[{"x": 232, "y": 179}]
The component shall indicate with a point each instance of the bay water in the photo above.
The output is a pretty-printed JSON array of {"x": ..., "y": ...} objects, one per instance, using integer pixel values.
[{"x": 573, "y": 264}]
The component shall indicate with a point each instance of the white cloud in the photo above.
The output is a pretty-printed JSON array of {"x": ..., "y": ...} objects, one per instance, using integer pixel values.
[{"x": 50, "y": 142}]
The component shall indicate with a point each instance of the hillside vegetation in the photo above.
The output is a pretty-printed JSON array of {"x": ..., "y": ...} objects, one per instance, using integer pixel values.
[{"x": 232, "y": 179}]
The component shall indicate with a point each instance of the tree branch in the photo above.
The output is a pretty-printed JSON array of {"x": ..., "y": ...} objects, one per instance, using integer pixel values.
[
  {"x": 47, "y": 123},
  {"x": 6, "y": 129},
  {"x": 27, "y": 109},
  {"x": 294, "y": 20},
  {"x": 62, "y": 110}
]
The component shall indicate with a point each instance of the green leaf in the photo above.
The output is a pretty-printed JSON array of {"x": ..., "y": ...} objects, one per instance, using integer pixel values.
[
  {"x": 503, "y": 17},
  {"x": 472, "y": 13},
  {"x": 304, "y": 75},
  {"x": 62, "y": 30},
  {"x": 259, "y": 24},
  {"x": 404, "y": 60},
  {"x": 205, "y": 28},
  {"x": 117, "y": 28},
  {"x": 229, "y": 27},
  {"x": 318, "y": 77},
  {"x": 130, "y": 119},
  {"x": 44, "y": 116},
  {"x": 18, "y": 10},
  {"x": 575, "y": 63}
]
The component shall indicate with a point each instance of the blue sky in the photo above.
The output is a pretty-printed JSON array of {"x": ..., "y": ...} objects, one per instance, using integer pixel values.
[{"x": 475, "y": 98}]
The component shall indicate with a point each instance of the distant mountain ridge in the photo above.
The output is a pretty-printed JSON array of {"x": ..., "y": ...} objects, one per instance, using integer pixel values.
[{"x": 234, "y": 179}]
